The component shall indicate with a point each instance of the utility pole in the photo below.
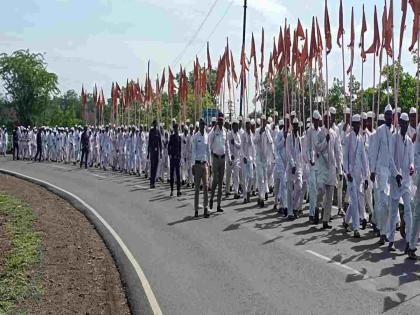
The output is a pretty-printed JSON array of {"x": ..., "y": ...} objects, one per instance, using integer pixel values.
[{"x": 243, "y": 49}]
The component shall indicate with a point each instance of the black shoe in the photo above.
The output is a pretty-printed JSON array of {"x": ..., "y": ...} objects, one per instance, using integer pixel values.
[
  {"x": 346, "y": 226},
  {"x": 188, "y": 185},
  {"x": 220, "y": 209},
  {"x": 311, "y": 218},
  {"x": 211, "y": 204},
  {"x": 178, "y": 194},
  {"x": 364, "y": 224},
  {"x": 412, "y": 254},
  {"x": 295, "y": 214},
  {"x": 275, "y": 208},
  {"x": 261, "y": 203},
  {"x": 316, "y": 216},
  {"x": 236, "y": 196},
  {"x": 391, "y": 247},
  {"x": 248, "y": 197},
  {"x": 382, "y": 239},
  {"x": 291, "y": 218},
  {"x": 196, "y": 214},
  {"x": 152, "y": 186},
  {"x": 206, "y": 213},
  {"x": 284, "y": 212},
  {"x": 356, "y": 234},
  {"x": 245, "y": 201},
  {"x": 325, "y": 226},
  {"x": 172, "y": 193},
  {"x": 266, "y": 196},
  {"x": 271, "y": 190},
  {"x": 407, "y": 248}
]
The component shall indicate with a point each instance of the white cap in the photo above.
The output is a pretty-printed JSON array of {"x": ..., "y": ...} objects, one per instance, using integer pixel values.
[
  {"x": 295, "y": 120},
  {"x": 263, "y": 117},
  {"x": 388, "y": 108},
  {"x": 300, "y": 124},
  {"x": 252, "y": 121},
  {"x": 186, "y": 127},
  {"x": 308, "y": 120},
  {"x": 281, "y": 122},
  {"x": 276, "y": 113},
  {"x": 191, "y": 126},
  {"x": 370, "y": 114},
  {"x": 258, "y": 121},
  {"x": 173, "y": 120},
  {"x": 270, "y": 120},
  {"x": 240, "y": 118},
  {"x": 187, "y": 121},
  {"x": 197, "y": 124},
  {"x": 316, "y": 115},
  {"x": 404, "y": 116},
  {"x": 235, "y": 121},
  {"x": 327, "y": 113},
  {"x": 293, "y": 113},
  {"x": 308, "y": 125},
  {"x": 356, "y": 118},
  {"x": 381, "y": 117},
  {"x": 398, "y": 110},
  {"x": 413, "y": 110},
  {"x": 247, "y": 120},
  {"x": 363, "y": 116},
  {"x": 287, "y": 116},
  {"x": 332, "y": 110},
  {"x": 347, "y": 110},
  {"x": 213, "y": 119}
]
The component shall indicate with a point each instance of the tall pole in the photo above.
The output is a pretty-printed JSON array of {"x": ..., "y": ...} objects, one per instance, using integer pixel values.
[{"x": 243, "y": 49}]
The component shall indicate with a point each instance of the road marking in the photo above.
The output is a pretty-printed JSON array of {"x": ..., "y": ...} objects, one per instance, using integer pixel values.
[
  {"x": 144, "y": 282},
  {"x": 60, "y": 167},
  {"x": 142, "y": 187},
  {"x": 337, "y": 263},
  {"x": 100, "y": 176}
]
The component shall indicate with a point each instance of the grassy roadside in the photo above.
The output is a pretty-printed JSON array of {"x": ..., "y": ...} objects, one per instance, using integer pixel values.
[{"x": 15, "y": 278}]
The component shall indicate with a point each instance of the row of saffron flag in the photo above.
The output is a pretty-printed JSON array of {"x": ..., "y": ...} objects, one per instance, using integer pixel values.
[{"x": 293, "y": 54}]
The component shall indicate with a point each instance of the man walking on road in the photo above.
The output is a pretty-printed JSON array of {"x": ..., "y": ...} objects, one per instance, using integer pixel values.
[
  {"x": 219, "y": 148},
  {"x": 174, "y": 153},
  {"x": 38, "y": 145},
  {"x": 200, "y": 156},
  {"x": 84, "y": 143},
  {"x": 154, "y": 152}
]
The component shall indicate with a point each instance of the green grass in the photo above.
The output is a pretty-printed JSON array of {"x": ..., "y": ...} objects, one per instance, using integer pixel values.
[{"x": 25, "y": 253}]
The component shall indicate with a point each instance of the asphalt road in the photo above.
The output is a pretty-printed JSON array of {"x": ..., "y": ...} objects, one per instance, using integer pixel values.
[{"x": 245, "y": 261}]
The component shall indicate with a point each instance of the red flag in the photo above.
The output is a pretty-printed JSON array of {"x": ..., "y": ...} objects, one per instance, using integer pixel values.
[
  {"x": 95, "y": 95},
  {"x": 304, "y": 56},
  {"x": 287, "y": 46},
  {"x": 299, "y": 31},
  {"x": 376, "y": 45},
  {"x": 404, "y": 4},
  {"x": 313, "y": 47},
  {"x": 341, "y": 25},
  {"x": 208, "y": 58},
  {"x": 253, "y": 54},
  {"x": 351, "y": 45},
  {"x": 275, "y": 54},
  {"x": 388, "y": 30},
  {"x": 262, "y": 52},
  {"x": 415, "y": 6},
  {"x": 362, "y": 36},
  {"x": 232, "y": 63},
  {"x": 163, "y": 80},
  {"x": 171, "y": 85},
  {"x": 327, "y": 29},
  {"x": 319, "y": 38}
]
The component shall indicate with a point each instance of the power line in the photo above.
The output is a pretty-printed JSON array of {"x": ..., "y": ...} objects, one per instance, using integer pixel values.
[
  {"x": 181, "y": 54},
  {"x": 214, "y": 29}
]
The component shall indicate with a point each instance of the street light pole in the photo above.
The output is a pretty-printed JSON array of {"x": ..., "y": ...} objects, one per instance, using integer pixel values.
[{"x": 243, "y": 48}]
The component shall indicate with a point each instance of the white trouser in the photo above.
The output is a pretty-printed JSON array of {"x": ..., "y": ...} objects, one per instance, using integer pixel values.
[
  {"x": 270, "y": 170},
  {"x": 393, "y": 217},
  {"x": 247, "y": 175},
  {"x": 415, "y": 225},
  {"x": 280, "y": 187},
  {"x": 340, "y": 192},
  {"x": 294, "y": 189},
  {"x": 236, "y": 167},
  {"x": 261, "y": 176},
  {"x": 356, "y": 203},
  {"x": 313, "y": 174}
]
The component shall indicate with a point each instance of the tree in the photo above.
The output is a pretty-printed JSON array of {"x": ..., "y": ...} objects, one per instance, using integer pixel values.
[{"x": 28, "y": 84}]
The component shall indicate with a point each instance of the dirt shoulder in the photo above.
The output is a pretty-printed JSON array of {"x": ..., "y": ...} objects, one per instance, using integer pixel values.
[{"x": 77, "y": 273}]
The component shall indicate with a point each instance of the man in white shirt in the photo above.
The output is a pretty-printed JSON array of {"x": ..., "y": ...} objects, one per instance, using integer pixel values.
[
  {"x": 356, "y": 169},
  {"x": 380, "y": 173},
  {"x": 200, "y": 155},
  {"x": 415, "y": 227},
  {"x": 248, "y": 159},
  {"x": 264, "y": 152},
  {"x": 234, "y": 139},
  {"x": 328, "y": 148},
  {"x": 294, "y": 170},
  {"x": 280, "y": 170},
  {"x": 412, "y": 126},
  {"x": 219, "y": 149},
  {"x": 402, "y": 168}
]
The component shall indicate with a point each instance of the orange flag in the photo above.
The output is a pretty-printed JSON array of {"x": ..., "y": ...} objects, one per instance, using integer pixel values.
[
  {"x": 388, "y": 30},
  {"x": 362, "y": 36},
  {"x": 415, "y": 6},
  {"x": 232, "y": 63},
  {"x": 341, "y": 25},
  {"x": 163, "y": 80},
  {"x": 351, "y": 45},
  {"x": 171, "y": 85},
  {"x": 327, "y": 29},
  {"x": 275, "y": 52},
  {"x": 299, "y": 31},
  {"x": 252, "y": 55},
  {"x": 208, "y": 58},
  {"x": 313, "y": 47},
  {"x": 376, "y": 45},
  {"x": 262, "y": 51}
]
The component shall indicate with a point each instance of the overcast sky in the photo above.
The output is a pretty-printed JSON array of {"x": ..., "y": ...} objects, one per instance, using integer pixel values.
[{"x": 100, "y": 41}]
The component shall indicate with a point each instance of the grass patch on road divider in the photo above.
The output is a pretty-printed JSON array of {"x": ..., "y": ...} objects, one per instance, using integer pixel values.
[{"x": 24, "y": 254}]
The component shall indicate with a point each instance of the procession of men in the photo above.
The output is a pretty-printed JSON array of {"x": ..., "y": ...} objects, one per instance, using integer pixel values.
[{"x": 369, "y": 174}]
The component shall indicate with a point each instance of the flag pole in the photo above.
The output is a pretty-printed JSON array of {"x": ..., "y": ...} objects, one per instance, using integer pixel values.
[
  {"x": 362, "y": 90},
  {"x": 418, "y": 77},
  {"x": 393, "y": 62},
  {"x": 344, "y": 75}
]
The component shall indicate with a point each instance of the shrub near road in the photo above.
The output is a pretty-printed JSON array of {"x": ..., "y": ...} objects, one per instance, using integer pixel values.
[{"x": 22, "y": 254}]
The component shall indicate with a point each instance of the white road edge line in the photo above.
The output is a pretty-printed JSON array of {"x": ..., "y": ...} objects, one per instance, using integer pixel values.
[
  {"x": 100, "y": 176},
  {"x": 145, "y": 283},
  {"x": 336, "y": 263}
]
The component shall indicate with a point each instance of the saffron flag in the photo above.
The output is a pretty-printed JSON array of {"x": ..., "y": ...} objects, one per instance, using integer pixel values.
[
  {"x": 351, "y": 45},
  {"x": 340, "y": 32},
  {"x": 327, "y": 29}
]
